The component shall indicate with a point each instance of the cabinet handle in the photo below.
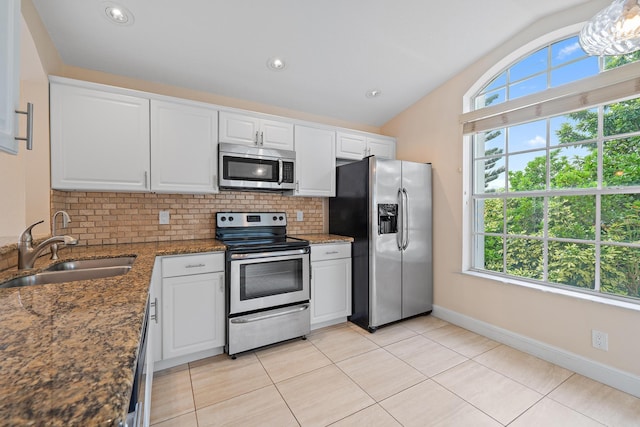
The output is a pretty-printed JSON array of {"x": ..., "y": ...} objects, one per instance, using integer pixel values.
[
  {"x": 331, "y": 252},
  {"x": 146, "y": 179},
  {"x": 297, "y": 186},
  {"x": 154, "y": 304},
  {"x": 257, "y": 138},
  {"x": 215, "y": 181},
  {"x": 29, "y": 137},
  {"x": 194, "y": 265},
  {"x": 261, "y": 138},
  {"x": 222, "y": 283}
]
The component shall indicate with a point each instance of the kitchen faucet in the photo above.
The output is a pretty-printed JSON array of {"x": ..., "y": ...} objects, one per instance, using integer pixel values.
[
  {"x": 27, "y": 254},
  {"x": 65, "y": 222}
]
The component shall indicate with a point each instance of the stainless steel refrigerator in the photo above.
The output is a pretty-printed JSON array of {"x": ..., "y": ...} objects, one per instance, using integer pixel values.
[{"x": 385, "y": 205}]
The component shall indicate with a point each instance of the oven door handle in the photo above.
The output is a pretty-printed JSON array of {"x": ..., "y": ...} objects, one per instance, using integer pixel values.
[
  {"x": 258, "y": 317},
  {"x": 280, "y": 172},
  {"x": 268, "y": 254}
]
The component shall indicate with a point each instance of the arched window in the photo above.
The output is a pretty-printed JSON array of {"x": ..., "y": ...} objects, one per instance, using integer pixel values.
[{"x": 554, "y": 177}]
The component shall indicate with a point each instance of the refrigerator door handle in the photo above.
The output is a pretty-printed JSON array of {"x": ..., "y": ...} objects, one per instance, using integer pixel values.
[
  {"x": 399, "y": 233},
  {"x": 405, "y": 220}
]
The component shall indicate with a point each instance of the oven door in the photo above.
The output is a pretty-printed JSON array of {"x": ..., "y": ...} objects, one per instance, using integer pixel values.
[{"x": 267, "y": 279}]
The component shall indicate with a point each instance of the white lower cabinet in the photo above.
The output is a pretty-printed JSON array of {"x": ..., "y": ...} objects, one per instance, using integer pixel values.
[
  {"x": 330, "y": 284},
  {"x": 192, "y": 307}
]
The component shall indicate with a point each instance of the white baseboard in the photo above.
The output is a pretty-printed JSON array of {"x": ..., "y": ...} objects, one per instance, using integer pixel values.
[{"x": 621, "y": 380}]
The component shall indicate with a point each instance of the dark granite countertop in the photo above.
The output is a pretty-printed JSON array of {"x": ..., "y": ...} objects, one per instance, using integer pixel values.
[{"x": 68, "y": 350}]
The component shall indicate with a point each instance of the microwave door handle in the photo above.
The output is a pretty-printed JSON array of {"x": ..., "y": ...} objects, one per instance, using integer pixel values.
[{"x": 279, "y": 171}]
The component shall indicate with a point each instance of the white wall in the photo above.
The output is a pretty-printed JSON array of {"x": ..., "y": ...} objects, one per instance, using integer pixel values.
[{"x": 429, "y": 131}]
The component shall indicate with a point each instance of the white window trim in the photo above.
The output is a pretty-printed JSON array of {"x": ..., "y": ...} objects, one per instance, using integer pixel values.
[{"x": 467, "y": 190}]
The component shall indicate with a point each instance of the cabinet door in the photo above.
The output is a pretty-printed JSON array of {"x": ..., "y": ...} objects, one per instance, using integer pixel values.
[
  {"x": 238, "y": 128},
  {"x": 193, "y": 314},
  {"x": 276, "y": 134},
  {"x": 184, "y": 143},
  {"x": 99, "y": 140},
  {"x": 315, "y": 162},
  {"x": 381, "y": 147},
  {"x": 9, "y": 73},
  {"x": 330, "y": 290},
  {"x": 350, "y": 146}
]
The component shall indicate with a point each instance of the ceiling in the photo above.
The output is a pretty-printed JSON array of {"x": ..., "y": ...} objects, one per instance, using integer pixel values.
[{"x": 335, "y": 50}]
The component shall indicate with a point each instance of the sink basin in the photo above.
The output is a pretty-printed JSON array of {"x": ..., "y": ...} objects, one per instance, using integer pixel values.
[
  {"x": 69, "y": 271},
  {"x": 84, "y": 264}
]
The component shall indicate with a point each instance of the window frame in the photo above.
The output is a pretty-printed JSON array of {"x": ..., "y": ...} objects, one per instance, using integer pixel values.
[{"x": 469, "y": 199}]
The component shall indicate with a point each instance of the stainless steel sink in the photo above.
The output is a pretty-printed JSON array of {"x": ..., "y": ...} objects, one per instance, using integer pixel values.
[
  {"x": 70, "y": 271},
  {"x": 84, "y": 264}
]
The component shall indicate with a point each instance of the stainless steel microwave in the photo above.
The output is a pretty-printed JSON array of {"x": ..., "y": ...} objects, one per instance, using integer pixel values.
[{"x": 243, "y": 167}]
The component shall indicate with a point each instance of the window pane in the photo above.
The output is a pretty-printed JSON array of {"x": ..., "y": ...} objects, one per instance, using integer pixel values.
[
  {"x": 528, "y": 171},
  {"x": 501, "y": 80},
  {"x": 491, "y": 246},
  {"x": 489, "y": 143},
  {"x": 573, "y": 127},
  {"x": 524, "y": 258},
  {"x": 575, "y": 71},
  {"x": 622, "y": 117},
  {"x": 620, "y": 271},
  {"x": 528, "y": 136},
  {"x": 525, "y": 216},
  {"x": 574, "y": 166},
  {"x": 565, "y": 51},
  {"x": 529, "y": 86},
  {"x": 620, "y": 218},
  {"x": 619, "y": 60},
  {"x": 532, "y": 64},
  {"x": 572, "y": 217},
  {"x": 621, "y": 162},
  {"x": 489, "y": 216},
  {"x": 572, "y": 264},
  {"x": 491, "y": 98},
  {"x": 489, "y": 175}
]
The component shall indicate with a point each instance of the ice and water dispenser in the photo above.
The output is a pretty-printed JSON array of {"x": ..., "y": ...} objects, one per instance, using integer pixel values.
[{"x": 387, "y": 218}]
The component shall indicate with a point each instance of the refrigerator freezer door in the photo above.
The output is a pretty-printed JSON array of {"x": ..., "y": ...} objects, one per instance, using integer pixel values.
[
  {"x": 417, "y": 281},
  {"x": 385, "y": 267}
]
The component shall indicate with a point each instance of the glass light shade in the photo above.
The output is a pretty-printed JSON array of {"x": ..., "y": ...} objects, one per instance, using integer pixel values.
[{"x": 614, "y": 30}]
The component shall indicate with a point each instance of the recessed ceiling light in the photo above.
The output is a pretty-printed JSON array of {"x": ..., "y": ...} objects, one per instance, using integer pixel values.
[
  {"x": 117, "y": 14},
  {"x": 276, "y": 64},
  {"x": 373, "y": 93}
]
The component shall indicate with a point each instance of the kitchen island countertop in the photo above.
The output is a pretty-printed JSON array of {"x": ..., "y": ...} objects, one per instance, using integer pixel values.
[{"x": 69, "y": 349}]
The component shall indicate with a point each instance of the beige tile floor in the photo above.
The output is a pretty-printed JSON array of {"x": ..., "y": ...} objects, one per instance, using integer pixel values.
[{"x": 421, "y": 372}]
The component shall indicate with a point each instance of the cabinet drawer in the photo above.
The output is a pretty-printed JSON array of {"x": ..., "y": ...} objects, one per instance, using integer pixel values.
[
  {"x": 192, "y": 264},
  {"x": 330, "y": 251}
]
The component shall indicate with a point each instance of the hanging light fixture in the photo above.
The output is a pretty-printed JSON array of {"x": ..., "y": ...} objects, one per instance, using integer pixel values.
[{"x": 614, "y": 30}]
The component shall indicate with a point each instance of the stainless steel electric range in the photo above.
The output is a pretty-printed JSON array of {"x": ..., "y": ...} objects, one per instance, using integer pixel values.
[{"x": 267, "y": 280}]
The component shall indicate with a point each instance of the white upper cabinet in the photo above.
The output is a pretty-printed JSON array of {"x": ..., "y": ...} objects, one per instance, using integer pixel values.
[
  {"x": 315, "y": 162},
  {"x": 250, "y": 130},
  {"x": 355, "y": 146},
  {"x": 9, "y": 74},
  {"x": 184, "y": 143},
  {"x": 99, "y": 140},
  {"x": 381, "y": 146}
]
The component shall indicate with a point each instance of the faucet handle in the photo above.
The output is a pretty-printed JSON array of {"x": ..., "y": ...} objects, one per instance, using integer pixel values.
[{"x": 26, "y": 237}]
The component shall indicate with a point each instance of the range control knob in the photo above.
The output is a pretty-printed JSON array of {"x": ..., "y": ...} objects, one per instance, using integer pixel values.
[
  {"x": 230, "y": 218},
  {"x": 275, "y": 218},
  {"x": 223, "y": 218},
  {"x": 281, "y": 218}
]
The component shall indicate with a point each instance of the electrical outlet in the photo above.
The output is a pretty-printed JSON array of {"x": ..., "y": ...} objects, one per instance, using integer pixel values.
[
  {"x": 163, "y": 217},
  {"x": 299, "y": 216},
  {"x": 600, "y": 340}
]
